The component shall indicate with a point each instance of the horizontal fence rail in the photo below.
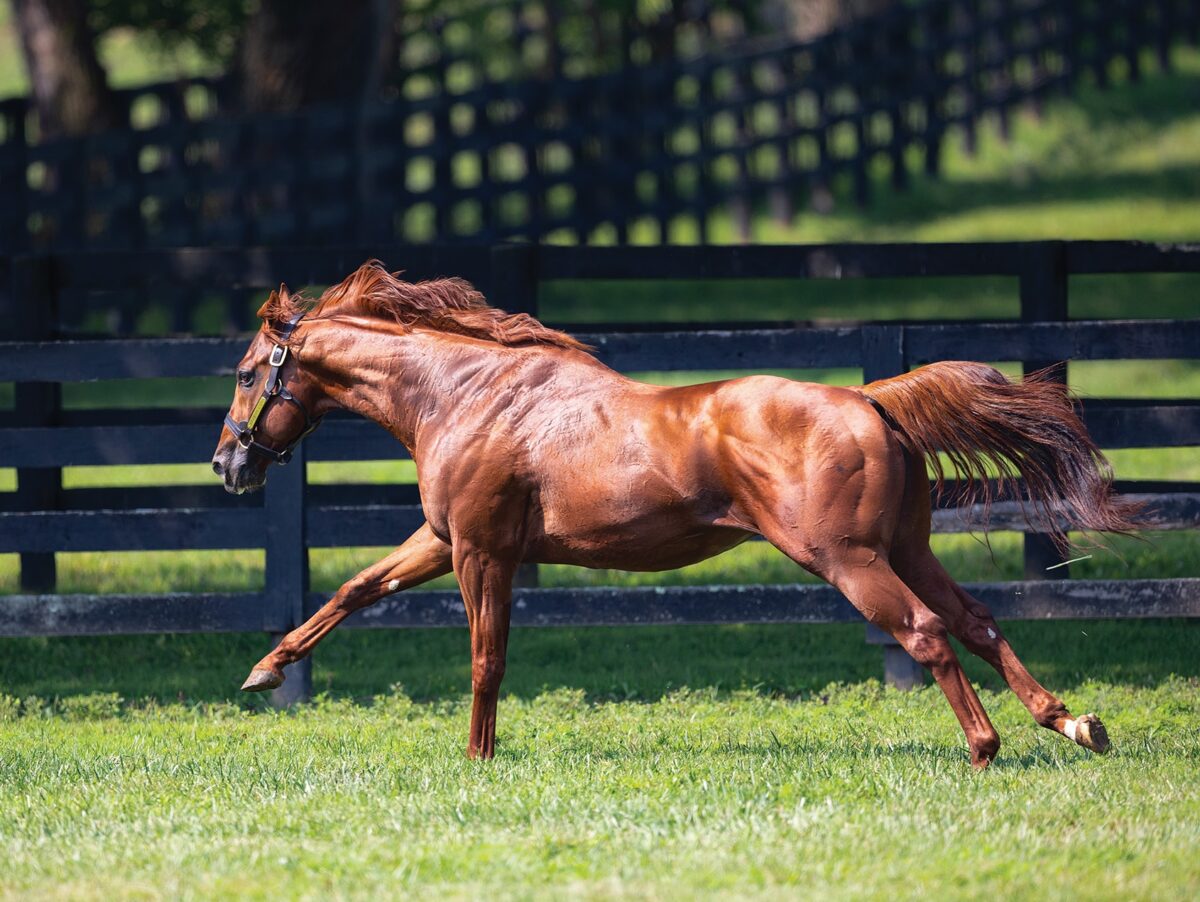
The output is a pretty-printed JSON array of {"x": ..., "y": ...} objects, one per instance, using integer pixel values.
[
  {"x": 82, "y": 615},
  {"x": 38, "y": 436}
]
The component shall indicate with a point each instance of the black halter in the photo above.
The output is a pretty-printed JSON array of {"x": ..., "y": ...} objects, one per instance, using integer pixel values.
[{"x": 273, "y": 388}]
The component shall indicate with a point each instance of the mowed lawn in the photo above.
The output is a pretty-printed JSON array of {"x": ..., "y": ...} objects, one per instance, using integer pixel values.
[{"x": 613, "y": 778}]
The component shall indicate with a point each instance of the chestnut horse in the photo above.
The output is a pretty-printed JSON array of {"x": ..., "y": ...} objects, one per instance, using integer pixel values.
[{"x": 528, "y": 449}]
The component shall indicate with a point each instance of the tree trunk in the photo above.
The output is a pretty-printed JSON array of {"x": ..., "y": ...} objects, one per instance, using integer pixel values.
[
  {"x": 294, "y": 54},
  {"x": 70, "y": 88}
]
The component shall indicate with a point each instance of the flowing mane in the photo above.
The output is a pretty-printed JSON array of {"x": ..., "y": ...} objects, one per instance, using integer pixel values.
[{"x": 447, "y": 305}]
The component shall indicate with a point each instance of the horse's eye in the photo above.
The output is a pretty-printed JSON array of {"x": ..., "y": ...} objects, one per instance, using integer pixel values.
[{"x": 245, "y": 378}]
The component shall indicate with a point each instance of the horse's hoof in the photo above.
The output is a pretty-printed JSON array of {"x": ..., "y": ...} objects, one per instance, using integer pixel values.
[
  {"x": 260, "y": 680},
  {"x": 1090, "y": 733}
]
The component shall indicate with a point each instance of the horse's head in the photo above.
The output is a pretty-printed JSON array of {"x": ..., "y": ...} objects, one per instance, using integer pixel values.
[{"x": 273, "y": 406}]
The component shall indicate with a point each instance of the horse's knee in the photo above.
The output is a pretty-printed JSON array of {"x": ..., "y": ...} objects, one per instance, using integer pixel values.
[
  {"x": 487, "y": 672},
  {"x": 355, "y": 593}
]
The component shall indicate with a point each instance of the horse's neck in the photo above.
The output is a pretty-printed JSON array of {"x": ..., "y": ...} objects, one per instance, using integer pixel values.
[{"x": 400, "y": 380}]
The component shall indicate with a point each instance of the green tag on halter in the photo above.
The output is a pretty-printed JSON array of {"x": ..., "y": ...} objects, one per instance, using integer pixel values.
[{"x": 256, "y": 413}]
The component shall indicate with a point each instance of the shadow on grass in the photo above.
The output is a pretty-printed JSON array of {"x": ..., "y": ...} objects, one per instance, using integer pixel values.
[{"x": 606, "y": 663}]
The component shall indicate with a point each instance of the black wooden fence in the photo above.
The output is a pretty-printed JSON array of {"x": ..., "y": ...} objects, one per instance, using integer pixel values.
[
  {"x": 649, "y": 151},
  {"x": 38, "y": 436}
]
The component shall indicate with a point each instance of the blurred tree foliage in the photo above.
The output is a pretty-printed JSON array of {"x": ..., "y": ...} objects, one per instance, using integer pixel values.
[
  {"x": 285, "y": 54},
  {"x": 213, "y": 27}
]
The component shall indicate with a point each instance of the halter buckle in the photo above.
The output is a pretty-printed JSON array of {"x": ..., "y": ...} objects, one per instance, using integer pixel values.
[{"x": 278, "y": 355}]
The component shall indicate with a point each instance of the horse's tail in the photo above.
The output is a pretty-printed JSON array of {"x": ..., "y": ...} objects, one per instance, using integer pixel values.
[{"x": 988, "y": 428}]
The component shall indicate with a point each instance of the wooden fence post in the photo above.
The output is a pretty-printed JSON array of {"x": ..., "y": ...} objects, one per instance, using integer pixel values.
[
  {"x": 287, "y": 567},
  {"x": 514, "y": 287},
  {"x": 883, "y": 355},
  {"x": 37, "y": 404},
  {"x": 1043, "y": 286},
  {"x": 17, "y": 189}
]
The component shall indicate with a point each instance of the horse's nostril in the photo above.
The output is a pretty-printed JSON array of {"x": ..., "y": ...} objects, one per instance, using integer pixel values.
[{"x": 217, "y": 468}]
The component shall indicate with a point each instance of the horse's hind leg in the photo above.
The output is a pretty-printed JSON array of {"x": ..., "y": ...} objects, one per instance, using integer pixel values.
[
  {"x": 866, "y": 578},
  {"x": 972, "y": 624},
  {"x": 887, "y": 602},
  {"x": 421, "y": 558}
]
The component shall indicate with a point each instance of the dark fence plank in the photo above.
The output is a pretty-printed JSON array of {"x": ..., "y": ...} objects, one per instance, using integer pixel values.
[
  {"x": 105, "y": 615},
  {"x": 1079, "y": 340},
  {"x": 350, "y": 495},
  {"x": 822, "y": 261},
  {"x": 107, "y": 445},
  {"x": 42, "y": 615},
  {"x": 173, "y": 530},
  {"x": 1143, "y": 424},
  {"x": 354, "y": 439},
  {"x": 133, "y": 358},
  {"x": 332, "y": 527},
  {"x": 1167, "y": 512},
  {"x": 601, "y": 606},
  {"x": 691, "y": 349},
  {"x": 1078, "y": 599},
  {"x": 643, "y": 606},
  {"x": 715, "y": 349},
  {"x": 1105, "y": 257}
]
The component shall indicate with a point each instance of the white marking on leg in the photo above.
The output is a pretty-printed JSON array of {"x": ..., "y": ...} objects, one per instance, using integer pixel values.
[
  {"x": 1069, "y": 730},
  {"x": 991, "y": 633},
  {"x": 394, "y": 585}
]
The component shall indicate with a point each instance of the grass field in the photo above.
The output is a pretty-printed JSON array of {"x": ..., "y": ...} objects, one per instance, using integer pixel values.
[{"x": 614, "y": 779}]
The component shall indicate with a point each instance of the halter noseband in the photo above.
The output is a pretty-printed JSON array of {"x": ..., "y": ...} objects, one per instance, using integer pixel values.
[{"x": 273, "y": 388}]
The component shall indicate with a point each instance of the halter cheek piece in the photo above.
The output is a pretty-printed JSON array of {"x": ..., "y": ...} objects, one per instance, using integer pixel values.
[{"x": 273, "y": 388}]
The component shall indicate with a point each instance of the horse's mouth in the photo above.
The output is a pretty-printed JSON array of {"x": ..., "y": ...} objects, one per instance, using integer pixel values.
[{"x": 242, "y": 488}]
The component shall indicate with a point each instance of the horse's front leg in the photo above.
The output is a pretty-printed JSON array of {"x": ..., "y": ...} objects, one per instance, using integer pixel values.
[
  {"x": 485, "y": 580},
  {"x": 420, "y": 559}
]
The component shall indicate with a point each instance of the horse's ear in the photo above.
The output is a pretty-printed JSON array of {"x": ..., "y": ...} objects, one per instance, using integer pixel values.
[
  {"x": 275, "y": 302},
  {"x": 270, "y": 304}
]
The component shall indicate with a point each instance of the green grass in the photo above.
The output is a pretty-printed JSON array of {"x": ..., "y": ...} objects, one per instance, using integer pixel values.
[{"x": 614, "y": 779}]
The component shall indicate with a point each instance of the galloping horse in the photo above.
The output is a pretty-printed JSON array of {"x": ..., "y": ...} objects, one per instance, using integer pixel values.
[{"x": 528, "y": 449}]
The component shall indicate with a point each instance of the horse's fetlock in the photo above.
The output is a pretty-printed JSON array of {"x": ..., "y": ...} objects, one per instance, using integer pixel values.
[
  {"x": 1050, "y": 716},
  {"x": 986, "y": 748}
]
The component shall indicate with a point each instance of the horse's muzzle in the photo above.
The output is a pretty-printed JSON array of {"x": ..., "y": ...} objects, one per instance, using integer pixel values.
[{"x": 239, "y": 474}]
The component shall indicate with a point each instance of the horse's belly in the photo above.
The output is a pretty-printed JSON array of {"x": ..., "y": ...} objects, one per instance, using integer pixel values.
[{"x": 656, "y": 543}]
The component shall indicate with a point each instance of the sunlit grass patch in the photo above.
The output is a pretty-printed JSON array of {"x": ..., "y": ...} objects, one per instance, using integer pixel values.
[
  {"x": 840, "y": 792},
  {"x": 147, "y": 572}
]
